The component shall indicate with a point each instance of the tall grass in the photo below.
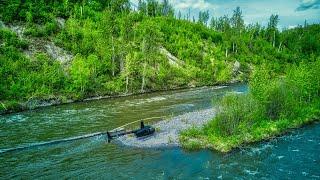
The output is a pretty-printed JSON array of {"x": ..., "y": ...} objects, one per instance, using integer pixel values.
[
  {"x": 272, "y": 105},
  {"x": 232, "y": 111}
]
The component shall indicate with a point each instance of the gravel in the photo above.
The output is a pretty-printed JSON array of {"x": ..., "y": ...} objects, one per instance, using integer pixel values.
[{"x": 167, "y": 131}]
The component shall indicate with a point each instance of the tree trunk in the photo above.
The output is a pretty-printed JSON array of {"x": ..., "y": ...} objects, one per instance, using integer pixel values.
[
  {"x": 121, "y": 63},
  {"x": 226, "y": 52},
  {"x": 233, "y": 47},
  {"x": 236, "y": 48},
  {"x": 127, "y": 83},
  {"x": 131, "y": 81},
  {"x": 143, "y": 77},
  {"x": 274, "y": 39},
  {"x": 82, "y": 87},
  {"x": 112, "y": 56},
  {"x": 279, "y": 47}
]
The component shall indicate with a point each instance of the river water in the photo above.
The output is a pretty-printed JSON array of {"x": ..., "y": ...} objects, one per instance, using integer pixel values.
[{"x": 294, "y": 156}]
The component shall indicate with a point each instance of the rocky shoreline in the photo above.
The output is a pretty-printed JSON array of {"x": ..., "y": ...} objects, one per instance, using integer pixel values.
[{"x": 167, "y": 131}]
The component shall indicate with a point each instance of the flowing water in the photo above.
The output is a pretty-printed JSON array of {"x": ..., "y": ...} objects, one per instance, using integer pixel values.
[{"x": 294, "y": 156}]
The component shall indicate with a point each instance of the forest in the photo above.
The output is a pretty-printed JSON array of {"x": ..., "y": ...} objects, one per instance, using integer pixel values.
[{"x": 117, "y": 48}]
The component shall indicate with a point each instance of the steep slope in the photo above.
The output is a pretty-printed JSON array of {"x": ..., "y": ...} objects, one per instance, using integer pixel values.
[
  {"x": 39, "y": 44},
  {"x": 75, "y": 50}
]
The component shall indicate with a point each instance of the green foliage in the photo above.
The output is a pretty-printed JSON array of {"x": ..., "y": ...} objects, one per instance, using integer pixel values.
[
  {"x": 22, "y": 78},
  {"x": 203, "y": 17},
  {"x": 234, "y": 110},
  {"x": 223, "y": 72},
  {"x": 272, "y": 106},
  {"x": 10, "y": 39},
  {"x": 79, "y": 74},
  {"x": 46, "y": 30},
  {"x": 154, "y": 8},
  {"x": 119, "y": 50},
  {"x": 191, "y": 138}
]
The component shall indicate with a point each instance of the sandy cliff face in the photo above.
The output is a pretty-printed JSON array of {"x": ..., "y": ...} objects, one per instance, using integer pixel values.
[{"x": 40, "y": 45}]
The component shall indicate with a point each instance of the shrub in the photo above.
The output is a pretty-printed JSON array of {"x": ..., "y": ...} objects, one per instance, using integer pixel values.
[
  {"x": 34, "y": 31},
  {"x": 51, "y": 28},
  {"x": 114, "y": 87},
  {"x": 11, "y": 39},
  {"x": 47, "y": 29},
  {"x": 275, "y": 103},
  {"x": 233, "y": 110},
  {"x": 271, "y": 106}
]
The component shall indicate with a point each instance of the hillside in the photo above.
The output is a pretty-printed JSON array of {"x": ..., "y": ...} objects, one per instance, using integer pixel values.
[{"x": 56, "y": 51}]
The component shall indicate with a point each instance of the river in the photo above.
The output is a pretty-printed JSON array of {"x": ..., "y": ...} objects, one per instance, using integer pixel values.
[{"x": 293, "y": 156}]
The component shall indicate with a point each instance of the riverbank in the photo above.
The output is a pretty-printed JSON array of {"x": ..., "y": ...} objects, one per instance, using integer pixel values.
[
  {"x": 273, "y": 106},
  {"x": 198, "y": 138},
  {"x": 186, "y": 131},
  {"x": 168, "y": 130},
  {"x": 7, "y": 107}
]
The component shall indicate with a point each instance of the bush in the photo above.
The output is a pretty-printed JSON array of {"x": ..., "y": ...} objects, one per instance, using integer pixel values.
[
  {"x": 11, "y": 39},
  {"x": 34, "y": 31},
  {"x": 234, "y": 110},
  {"x": 304, "y": 80},
  {"x": 276, "y": 100},
  {"x": 272, "y": 106},
  {"x": 275, "y": 95},
  {"x": 50, "y": 28},
  {"x": 115, "y": 86}
]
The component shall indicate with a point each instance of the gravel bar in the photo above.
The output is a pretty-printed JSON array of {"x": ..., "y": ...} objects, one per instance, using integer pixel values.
[{"x": 167, "y": 131}]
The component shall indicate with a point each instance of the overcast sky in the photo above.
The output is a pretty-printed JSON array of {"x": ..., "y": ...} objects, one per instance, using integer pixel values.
[{"x": 291, "y": 12}]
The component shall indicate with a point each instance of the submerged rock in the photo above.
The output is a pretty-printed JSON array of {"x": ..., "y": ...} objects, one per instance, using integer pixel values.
[{"x": 167, "y": 131}]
